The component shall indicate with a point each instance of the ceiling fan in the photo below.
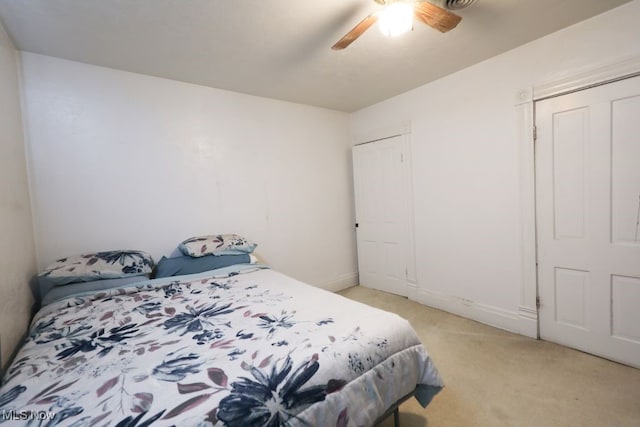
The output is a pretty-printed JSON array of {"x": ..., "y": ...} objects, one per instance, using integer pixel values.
[{"x": 403, "y": 12}]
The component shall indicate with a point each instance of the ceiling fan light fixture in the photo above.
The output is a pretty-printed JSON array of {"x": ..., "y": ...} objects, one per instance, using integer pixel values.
[{"x": 396, "y": 19}]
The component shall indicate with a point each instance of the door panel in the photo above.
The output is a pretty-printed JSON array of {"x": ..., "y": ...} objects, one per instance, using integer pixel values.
[
  {"x": 572, "y": 297},
  {"x": 625, "y": 294},
  {"x": 587, "y": 213},
  {"x": 381, "y": 215},
  {"x": 569, "y": 146},
  {"x": 625, "y": 171}
]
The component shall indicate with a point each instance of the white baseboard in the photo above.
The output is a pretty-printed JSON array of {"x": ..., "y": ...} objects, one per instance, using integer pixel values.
[
  {"x": 523, "y": 322},
  {"x": 412, "y": 291},
  {"x": 341, "y": 282},
  {"x": 494, "y": 316},
  {"x": 528, "y": 321}
]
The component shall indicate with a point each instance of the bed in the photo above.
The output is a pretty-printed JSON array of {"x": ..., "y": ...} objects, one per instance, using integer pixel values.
[{"x": 242, "y": 345}]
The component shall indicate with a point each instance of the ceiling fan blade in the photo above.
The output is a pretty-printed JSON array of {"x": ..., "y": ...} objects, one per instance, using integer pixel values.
[
  {"x": 356, "y": 32},
  {"x": 436, "y": 17}
]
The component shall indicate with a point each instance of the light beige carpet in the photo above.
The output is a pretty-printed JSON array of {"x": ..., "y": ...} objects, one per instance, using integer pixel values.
[{"x": 497, "y": 378}]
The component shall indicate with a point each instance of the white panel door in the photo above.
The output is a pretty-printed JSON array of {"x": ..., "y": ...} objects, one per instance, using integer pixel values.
[
  {"x": 588, "y": 213},
  {"x": 381, "y": 215}
]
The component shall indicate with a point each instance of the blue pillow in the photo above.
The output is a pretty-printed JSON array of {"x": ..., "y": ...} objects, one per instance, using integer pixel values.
[{"x": 177, "y": 266}]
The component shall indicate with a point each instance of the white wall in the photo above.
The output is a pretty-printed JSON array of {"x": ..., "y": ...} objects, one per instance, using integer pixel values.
[
  {"x": 17, "y": 253},
  {"x": 122, "y": 160},
  {"x": 467, "y": 167}
]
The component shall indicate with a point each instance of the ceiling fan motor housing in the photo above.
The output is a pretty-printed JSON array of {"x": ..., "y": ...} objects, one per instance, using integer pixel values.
[
  {"x": 453, "y": 4},
  {"x": 445, "y": 4}
]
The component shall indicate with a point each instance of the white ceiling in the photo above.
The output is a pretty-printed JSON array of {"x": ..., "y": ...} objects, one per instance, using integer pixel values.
[{"x": 280, "y": 48}]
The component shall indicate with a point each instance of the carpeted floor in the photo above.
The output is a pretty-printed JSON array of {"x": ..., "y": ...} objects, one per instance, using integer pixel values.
[{"x": 497, "y": 378}]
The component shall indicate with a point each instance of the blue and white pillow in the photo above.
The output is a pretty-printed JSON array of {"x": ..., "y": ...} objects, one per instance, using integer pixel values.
[
  {"x": 99, "y": 265},
  {"x": 219, "y": 244}
]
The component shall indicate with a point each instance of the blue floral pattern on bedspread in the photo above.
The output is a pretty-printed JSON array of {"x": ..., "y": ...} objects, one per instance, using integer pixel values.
[{"x": 239, "y": 350}]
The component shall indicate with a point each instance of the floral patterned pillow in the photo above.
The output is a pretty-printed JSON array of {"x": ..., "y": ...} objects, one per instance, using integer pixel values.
[
  {"x": 99, "y": 265},
  {"x": 219, "y": 244}
]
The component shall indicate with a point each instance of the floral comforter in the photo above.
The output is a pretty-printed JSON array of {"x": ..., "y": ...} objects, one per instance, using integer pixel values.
[{"x": 254, "y": 349}]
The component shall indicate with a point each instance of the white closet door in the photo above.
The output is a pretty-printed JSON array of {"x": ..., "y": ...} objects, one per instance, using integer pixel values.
[
  {"x": 380, "y": 196},
  {"x": 588, "y": 212}
]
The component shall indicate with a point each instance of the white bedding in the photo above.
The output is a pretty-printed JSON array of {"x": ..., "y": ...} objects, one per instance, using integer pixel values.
[{"x": 257, "y": 348}]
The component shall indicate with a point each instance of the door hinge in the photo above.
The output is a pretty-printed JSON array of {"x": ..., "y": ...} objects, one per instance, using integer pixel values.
[
  {"x": 401, "y": 158},
  {"x": 535, "y": 133},
  {"x": 538, "y": 304}
]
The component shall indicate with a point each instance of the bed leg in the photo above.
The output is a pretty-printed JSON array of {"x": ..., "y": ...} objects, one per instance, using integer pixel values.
[{"x": 396, "y": 418}]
